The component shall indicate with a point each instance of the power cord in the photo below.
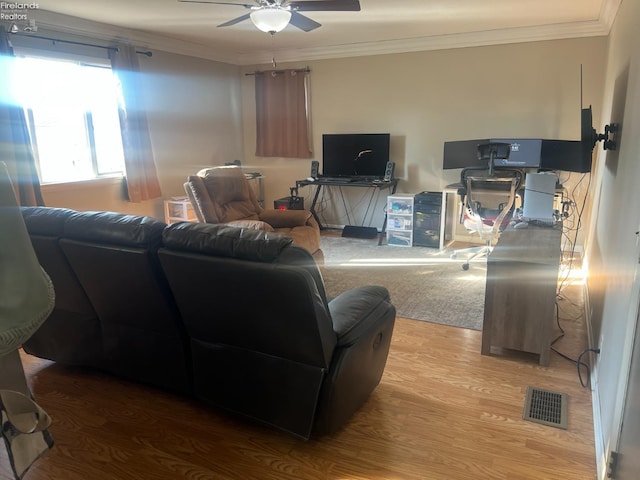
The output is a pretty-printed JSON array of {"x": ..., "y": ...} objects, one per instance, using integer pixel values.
[
  {"x": 578, "y": 362},
  {"x": 570, "y": 208}
]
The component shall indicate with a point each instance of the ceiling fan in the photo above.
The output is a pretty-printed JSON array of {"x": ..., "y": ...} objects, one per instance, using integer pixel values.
[{"x": 274, "y": 15}]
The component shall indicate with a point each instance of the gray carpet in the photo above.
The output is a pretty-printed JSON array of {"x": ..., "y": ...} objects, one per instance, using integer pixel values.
[{"x": 423, "y": 283}]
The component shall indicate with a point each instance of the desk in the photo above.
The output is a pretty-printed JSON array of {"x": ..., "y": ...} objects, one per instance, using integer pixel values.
[
  {"x": 520, "y": 296},
  {"x": 375, "y": 186}
]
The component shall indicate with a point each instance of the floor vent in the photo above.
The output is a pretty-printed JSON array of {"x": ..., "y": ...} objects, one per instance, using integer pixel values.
[{"x": 548, "y": 408}]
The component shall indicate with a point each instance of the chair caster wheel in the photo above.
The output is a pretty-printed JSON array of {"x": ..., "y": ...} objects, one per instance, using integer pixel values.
[{"x": 465, "y": 266}]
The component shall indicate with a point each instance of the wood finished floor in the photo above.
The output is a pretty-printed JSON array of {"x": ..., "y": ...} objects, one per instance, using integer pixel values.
[{"x": 441, "y": 411}]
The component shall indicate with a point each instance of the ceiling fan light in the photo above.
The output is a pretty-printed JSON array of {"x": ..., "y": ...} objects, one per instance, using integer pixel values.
[{"x": 270, "y": 19}]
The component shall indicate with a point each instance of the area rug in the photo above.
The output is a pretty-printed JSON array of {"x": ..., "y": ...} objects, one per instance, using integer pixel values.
[{"x": 424, "y": 283}]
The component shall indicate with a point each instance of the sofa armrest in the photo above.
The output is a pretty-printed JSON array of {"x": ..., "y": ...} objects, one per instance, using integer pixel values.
[
  {"x": 286, "y": 218},
  {"x": 363, "y": 319},
  {"x": 358, "y": 310}
]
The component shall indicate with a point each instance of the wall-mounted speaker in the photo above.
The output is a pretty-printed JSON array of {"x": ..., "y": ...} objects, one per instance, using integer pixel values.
[
  {"x": 315, "y": 165},
  {"x": 388, "y": 171}
]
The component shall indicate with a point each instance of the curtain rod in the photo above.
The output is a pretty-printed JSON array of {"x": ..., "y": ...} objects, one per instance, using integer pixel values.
[
  {"x": 54, "y": 40},
  {"x": 300, "y": 70}
]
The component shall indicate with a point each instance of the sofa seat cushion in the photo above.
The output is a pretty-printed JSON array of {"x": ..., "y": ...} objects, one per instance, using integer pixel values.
[{"x": 304, "y": 237}]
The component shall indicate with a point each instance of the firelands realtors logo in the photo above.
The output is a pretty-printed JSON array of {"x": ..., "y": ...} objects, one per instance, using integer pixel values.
[{"x": 18, "y": 13}]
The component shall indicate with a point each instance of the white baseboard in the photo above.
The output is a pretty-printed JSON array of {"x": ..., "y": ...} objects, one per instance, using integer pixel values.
[{"x": 601, "y": 460}]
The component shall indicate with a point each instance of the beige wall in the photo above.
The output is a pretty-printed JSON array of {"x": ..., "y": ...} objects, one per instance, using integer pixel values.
[
  {"x": 196, "y": 107},
  {"x": 529, "y": 90},
  {"x": 194, "y": 121},
  {"x": 611, "y": 245},
  {"x": 202, "y": 113}
]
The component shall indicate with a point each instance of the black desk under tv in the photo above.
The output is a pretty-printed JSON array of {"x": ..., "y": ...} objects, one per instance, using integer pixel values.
[{"x": 375, "y": 185}]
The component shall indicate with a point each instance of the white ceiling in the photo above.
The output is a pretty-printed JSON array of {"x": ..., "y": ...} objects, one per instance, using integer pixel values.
[{"x": 382, "y": 26}]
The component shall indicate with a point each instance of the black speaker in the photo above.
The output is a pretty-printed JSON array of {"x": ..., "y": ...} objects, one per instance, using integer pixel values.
[
  {"x": 315, "y": 165},
  {"x": 289, "y": 203},
  {"x": 388, "y": 171},
  {"x": 356, "y": 231}
]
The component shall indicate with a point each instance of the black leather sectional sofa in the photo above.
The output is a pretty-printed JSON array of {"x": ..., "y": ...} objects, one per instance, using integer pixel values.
[{"x": 235, "y": 317}]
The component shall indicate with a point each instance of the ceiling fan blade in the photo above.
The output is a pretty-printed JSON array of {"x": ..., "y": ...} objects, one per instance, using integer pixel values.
[
  {"x": 325, "y": 5},
  {"x": 245, "y": 5},
  {"x": 302, "y": 22},
  {"x": 239, "y": 19}
]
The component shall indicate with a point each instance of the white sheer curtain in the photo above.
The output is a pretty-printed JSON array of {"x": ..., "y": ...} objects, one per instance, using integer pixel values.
[
  {"x": 141, "y": 173},
  {"x": 15, "y": 144}
]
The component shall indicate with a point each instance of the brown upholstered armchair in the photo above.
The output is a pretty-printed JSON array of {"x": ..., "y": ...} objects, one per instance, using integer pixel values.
[{"x": 223, "y": 195}]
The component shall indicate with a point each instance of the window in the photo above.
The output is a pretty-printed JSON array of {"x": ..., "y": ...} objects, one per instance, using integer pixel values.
[{"x": 72, "y": 113}]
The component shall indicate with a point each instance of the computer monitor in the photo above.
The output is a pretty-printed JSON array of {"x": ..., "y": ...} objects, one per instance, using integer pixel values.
[
  {"x": 525, "y": 153},
  {"x": 355, "y": 154},
  {"x": 566, "y": 155},
  {"x": 462, "y": 154}
]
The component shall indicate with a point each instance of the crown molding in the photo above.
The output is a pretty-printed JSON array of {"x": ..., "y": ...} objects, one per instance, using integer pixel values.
[
  {"x": 439, "y": 42},
  {"x": 111, "y": 33},
  {"x": 608, "y": 13}
]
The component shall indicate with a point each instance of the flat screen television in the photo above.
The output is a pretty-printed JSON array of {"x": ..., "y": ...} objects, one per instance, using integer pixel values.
[
  {"x": 355, "y": 154},
  {"x": 572, "y": 155},
  {"x": 588, "y": 139}
]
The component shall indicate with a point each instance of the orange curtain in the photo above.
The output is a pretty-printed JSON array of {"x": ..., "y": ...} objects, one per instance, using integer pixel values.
[
  {"x": 282, "y": 126},
  {"x": 141, "y": 173},
  {"x": 15, "y": 144}
]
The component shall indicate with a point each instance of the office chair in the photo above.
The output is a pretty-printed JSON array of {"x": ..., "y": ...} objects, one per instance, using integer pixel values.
[{"x": 482, "y": 184}]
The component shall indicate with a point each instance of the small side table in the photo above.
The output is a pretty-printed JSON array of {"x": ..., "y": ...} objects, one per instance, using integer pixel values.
[{"x": 178, "y": 209}]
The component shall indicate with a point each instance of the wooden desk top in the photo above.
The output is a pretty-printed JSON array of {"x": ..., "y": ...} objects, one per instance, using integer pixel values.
[
  {"x": 533, "y": 244},
  {"x": 354, "y": 183}
]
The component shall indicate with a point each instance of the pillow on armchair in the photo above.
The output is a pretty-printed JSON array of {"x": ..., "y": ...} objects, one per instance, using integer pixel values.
[{"x": 252, "y": 225}]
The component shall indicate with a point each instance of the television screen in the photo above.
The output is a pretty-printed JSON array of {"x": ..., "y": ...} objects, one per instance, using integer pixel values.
[{"x": 355, "y": 154}]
